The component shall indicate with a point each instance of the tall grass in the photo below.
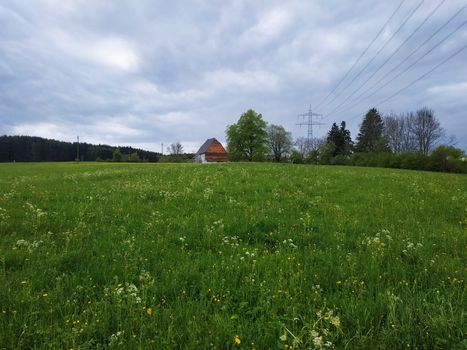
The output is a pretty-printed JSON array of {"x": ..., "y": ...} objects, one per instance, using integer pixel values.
[{"x": 246, "y": 256}]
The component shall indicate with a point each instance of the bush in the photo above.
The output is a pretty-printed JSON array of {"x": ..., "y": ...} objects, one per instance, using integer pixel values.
[
  {"x": 448, "y": 159},
  {"x": 386, "y": 160},
  {"x": 340, "y": 160},
  {"x": 413, "y": 161},
  {"x": 117, "y": 155},
  {"x": 296, "y": 157},
  {"x": 134, "y": 157},
  {"x": 312, "y": 157},
  {"x": 327, "y": 153}
]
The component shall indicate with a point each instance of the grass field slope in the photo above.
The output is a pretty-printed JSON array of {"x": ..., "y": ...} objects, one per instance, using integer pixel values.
[{"x": 231, "y": 256}]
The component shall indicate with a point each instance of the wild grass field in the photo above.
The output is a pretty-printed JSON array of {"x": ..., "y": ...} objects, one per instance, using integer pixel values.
[{"x": 231, "y": 256}]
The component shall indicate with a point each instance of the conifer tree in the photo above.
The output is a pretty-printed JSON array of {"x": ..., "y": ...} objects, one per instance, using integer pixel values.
[
  {"x": 340, "y": 138},
  {"x": 370, "y": 138}
]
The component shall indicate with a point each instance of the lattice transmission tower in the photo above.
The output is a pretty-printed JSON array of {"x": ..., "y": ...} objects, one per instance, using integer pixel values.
[{"x": 309, "y": 122}]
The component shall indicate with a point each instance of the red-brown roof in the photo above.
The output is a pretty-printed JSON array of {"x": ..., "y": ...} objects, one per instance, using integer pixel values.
[{"x": 204, "y": 148}]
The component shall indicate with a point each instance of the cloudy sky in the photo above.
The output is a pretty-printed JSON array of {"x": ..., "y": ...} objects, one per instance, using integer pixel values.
[{"x": 147, "y": 72}]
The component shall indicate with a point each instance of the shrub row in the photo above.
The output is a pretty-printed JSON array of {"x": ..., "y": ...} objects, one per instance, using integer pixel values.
[{"x": 444, "y": 158}]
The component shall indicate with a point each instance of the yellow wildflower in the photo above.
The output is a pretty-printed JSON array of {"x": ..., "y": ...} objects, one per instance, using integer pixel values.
[
  {"x": 149, "y": 311},
  {"x": 336, "y": 322},
  {"x": 45, "y": 295},
  {"x": 237, "y": 340}
]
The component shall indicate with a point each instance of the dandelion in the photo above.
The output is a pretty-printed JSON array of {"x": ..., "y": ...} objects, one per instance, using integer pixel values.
[
  {"x": 24, "y": 282},
  {"x": 149, "y": 311},
  {"x": 45, "y": 295},
  {"x": 335, "y": 321},
  {"x": 237, "y": 340}
]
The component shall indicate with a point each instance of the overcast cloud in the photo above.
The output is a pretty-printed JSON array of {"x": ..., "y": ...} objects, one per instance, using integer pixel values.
[{"x": 147, "y": 72}]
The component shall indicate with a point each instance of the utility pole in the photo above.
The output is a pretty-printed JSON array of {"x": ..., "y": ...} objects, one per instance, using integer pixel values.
[
  {"x": 309, "y": 122},
  {"x": 77, "y": 150},
  {"x": 162, "y": 148}
]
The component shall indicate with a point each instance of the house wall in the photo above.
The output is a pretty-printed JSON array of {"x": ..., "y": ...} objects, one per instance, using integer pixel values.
[
  {"x": 216, "y": 153},
  {"x": 216, "y": 157},
  {"x": 200, "y": 158}
]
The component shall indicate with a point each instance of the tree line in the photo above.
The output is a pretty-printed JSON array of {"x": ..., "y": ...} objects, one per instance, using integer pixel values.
[
  {"x": 411, "y": 141},
  {"x": 38, "y": 149}
]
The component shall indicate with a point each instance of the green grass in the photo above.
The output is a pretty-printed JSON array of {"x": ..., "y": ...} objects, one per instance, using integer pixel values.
[{"x": 246, "y": 256}]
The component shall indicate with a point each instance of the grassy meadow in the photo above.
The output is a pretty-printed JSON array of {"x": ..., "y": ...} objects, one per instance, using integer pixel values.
[{"x": 231, "y": 256}]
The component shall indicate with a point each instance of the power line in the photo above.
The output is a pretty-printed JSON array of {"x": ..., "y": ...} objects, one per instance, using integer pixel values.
[
  {"x": 424, "y": 75},
  {"x": 362, "y": 54},
  {"x": 359, "y": 97},
  {"x": 390, "y": 57},
  {"x": 381, "y": 49},
  {"x": 417, "y": 80}
]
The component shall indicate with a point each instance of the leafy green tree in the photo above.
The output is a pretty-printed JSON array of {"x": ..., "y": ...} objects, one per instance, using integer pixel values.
[
  {"x": 247, "y": 139},
  {"x": 280, "y": 141},
  {"x": 133, "y": 157},
  {"x": 370, "y": 138},
  {"x": 326, "y": 153},
  {"x": 117, "y": 155},
  {"x": 312, "y": 157},
  {"x": 296, "y": 157},
  {"x": 448, "y": 158}
]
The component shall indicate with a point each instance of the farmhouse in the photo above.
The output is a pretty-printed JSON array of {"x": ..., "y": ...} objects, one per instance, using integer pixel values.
[{"x": 211, "y": 151}]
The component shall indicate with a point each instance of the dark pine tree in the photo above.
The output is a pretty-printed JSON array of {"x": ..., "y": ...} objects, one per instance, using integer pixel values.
[
  {"x": 38, "y": 149},
  {"x": 333, "y": 138},
  {"x": 340, "y": 138},
  {"x": 370, "y": 138}
]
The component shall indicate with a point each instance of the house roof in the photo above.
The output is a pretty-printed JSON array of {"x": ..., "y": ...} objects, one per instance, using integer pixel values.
[{"x": 205, "y": 146}]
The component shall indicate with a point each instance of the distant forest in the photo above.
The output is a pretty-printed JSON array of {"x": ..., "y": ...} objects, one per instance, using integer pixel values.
[{"x": 38, "y": 149}]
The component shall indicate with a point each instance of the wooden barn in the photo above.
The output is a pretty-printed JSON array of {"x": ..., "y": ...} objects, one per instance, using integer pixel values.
[{"x": 211, "y": 151}]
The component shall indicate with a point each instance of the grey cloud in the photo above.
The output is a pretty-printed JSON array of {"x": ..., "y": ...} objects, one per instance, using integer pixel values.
[{"x": 147, "y": 72}]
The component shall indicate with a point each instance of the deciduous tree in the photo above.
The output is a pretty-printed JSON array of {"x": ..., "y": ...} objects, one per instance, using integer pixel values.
[
  {"x": 247, "y": 139},
  {"x": 117, "y": 155},
  {"x": 175, "y": 148},
  {"x": 397, "y": 133},
  {"x": 426, "y": 130},
  {"x": 280, "y": 141}
]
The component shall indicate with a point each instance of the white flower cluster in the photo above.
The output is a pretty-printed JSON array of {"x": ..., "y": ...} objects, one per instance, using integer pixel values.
[
  {"x": 216, "y": 227},
  {"x": 379, "y": 241},
  {"x": 3, "y": 215},
  {"x": 146, "y": 278},
  {"x": 208, "y": 192},
  {"x": 30, "y": 246},
  {"x": 35, "y": 211},
  {"x": 233, "y": 241},
  {"x": 128, "y": 291},
  {"x": 319, "y": 342},
  {"x": 116, "y": 339},
  {"x": 167, "y": 194},
  {"x": 290, "y": 243},
  {"x": 411, "y": 247}
]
